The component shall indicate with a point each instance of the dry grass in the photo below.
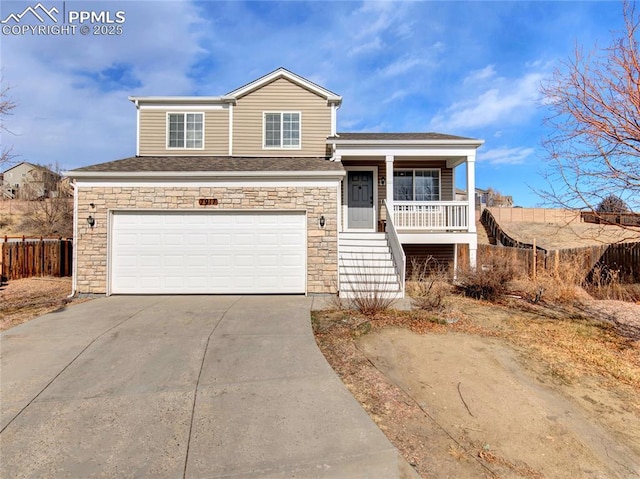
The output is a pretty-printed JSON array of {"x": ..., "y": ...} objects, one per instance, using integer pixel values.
[
  {"x": 551, "y": 236},
  {"x": 606, "y": 283},
  {"x": 11, "y": 216},
  {"x": 24, "y": 299},
  {"x": 567, "y": 341},
  {"x": 561, "y": 286},
  {"x": 563, "y": 344}
]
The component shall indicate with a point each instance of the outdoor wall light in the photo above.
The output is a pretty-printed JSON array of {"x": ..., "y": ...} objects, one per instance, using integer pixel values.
[
  {"x": 91, "y": 221},
  {"x": 322, "y": 221},
  {"x": 383, "y": 181}
]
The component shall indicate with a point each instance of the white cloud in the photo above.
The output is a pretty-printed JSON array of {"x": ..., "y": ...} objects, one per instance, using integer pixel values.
[
  {"x": 480, "y": 75},
  {"x": 498, "y": 101},
  {"x": 65, "y": 113},
  {"x": 402, "y": 65},
  {"x": 371, "y": 46},
  {"x": 396, "y": 95},
  {"x": 505, "y": 156}
]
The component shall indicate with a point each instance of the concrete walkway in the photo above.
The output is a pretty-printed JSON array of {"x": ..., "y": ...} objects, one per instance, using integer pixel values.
[{"x": 187, "y": 386}]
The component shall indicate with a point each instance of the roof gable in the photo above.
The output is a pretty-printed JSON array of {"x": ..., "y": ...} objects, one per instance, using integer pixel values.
[
  {"x": 290, "y": 76},
  {"x": 31, "y": 167},
  {"x": 26, "y": 163}
]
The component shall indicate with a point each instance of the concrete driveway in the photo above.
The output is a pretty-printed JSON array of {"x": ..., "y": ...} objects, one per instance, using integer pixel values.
[{"x": 184, "y": 386}]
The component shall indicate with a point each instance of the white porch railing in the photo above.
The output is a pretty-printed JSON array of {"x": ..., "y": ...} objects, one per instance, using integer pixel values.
[
  {"x": 396, "y": 247},
  {"x": 431, "y": 215}
]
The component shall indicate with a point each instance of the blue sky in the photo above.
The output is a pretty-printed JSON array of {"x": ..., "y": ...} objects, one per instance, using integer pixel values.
[{"x": 464, "y": 68}]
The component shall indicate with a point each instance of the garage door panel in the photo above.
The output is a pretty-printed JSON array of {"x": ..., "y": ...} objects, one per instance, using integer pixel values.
[{"x": 173, "y": 252}]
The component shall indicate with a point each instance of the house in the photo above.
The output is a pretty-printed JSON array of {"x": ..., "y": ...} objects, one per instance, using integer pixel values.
[
  {"x": 256, "y": 192},
  {"x": 493, "y": 198},
  {"x": 28, "y": 182}
]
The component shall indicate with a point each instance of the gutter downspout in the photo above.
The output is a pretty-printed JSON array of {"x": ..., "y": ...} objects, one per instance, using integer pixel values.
[{"x": 74, "y": 256}]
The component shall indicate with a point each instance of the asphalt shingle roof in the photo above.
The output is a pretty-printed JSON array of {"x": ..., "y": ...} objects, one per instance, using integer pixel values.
[{"x": 213, "y": 163}]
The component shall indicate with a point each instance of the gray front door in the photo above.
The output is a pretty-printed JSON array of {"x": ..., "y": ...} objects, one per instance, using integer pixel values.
[{"x": 360, "y": 201}]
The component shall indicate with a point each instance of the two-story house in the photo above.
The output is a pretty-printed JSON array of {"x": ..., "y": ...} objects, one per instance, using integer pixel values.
[
  {"x": 27, "y": 181},
  {"x": 256, "y": 192}
]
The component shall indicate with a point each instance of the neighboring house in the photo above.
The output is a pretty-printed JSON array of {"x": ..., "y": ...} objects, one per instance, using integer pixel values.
[
  {"x": 492, "y": 198},
  {"x": 27, "y": 181},
  {"x": 461, "y": 195},
  {"x": 256, "y": 192}
]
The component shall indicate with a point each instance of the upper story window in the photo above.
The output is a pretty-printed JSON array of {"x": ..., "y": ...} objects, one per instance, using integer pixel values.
[
  {"x": 282, "y": 130},
  {"x": 416, "y": 185},
  {"x": 186, "y": 130}
]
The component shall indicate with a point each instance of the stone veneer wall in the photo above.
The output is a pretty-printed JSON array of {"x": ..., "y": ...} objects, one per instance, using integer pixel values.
[{"x": 322, "y": 243}]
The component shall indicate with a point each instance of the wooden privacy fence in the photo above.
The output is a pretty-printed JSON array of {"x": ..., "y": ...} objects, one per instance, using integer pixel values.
[
  {"x": 534, "y": 215},
  {"x": 43, "y": 257},
  {"x": 624, "y": 219},
  {"x": 579, "y": 259},
  {"x": 622, "y": 257}
]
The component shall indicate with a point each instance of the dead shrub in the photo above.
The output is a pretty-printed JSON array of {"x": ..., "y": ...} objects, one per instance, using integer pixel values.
[
  {"x": 563, "y": 285},
  {"x": 429, "y": 285},
  {"x": 372, "y": 303},
  {"x": 490, "y": 280},
  {"x": 367, "y": 295},
  {"x": 606, "y": 283}
]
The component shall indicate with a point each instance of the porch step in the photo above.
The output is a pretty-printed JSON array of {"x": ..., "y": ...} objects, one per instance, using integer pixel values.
[
  {"x": 366, "y": 266},
  {"x": 366, "y": 251},
  {"x": 381, "y": 263},
  {"x": 362, "y": 236}
]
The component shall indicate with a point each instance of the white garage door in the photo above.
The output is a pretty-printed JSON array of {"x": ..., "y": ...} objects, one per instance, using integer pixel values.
[{"x": 198, "y": 252}]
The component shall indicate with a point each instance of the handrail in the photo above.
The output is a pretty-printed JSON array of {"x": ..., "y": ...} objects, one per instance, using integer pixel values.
[{"x": 397, "y": 252}]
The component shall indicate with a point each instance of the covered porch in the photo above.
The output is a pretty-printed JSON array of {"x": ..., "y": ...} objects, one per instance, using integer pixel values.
[{"x": 406, "y": 181}]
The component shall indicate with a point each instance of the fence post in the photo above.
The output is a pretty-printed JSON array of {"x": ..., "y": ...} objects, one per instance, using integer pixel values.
[{"x": 535, "y": 259}]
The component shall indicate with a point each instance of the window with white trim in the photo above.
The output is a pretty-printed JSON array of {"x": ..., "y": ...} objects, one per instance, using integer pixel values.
[
  {"x": 185, "y": 130},
  {"x": 416, "y": 185},
  {"x": 281, "y": 130}
]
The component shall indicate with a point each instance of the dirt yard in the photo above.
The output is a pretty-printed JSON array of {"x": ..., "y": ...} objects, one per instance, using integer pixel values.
[
  {"x": 498, "y": 391},
  {"x": 11, "y": 215},
  {"x": 25, "y": 299}
]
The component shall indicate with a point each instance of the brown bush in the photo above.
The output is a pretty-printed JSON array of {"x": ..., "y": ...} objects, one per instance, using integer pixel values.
[
  {"x": 607, "y": 283},
  {"x": 490, "y": 280},
  {"x": 429, "y": 284},
  {"x": 563, "y": 285}
]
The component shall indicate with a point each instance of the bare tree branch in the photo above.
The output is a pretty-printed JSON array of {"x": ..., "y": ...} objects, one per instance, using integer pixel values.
[
  {"x": 6, "y": 107},
  {"x": 593, "y": 150}
]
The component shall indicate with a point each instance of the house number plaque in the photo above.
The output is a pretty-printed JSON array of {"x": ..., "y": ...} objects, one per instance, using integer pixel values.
[{"x": 208, "y": 201}]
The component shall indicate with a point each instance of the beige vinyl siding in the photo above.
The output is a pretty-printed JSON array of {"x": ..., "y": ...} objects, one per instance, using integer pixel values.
[
  {"x": 429, "y": 256},
  {"x": 153, "y": 133},
  {"x": 278, "y": 96}
]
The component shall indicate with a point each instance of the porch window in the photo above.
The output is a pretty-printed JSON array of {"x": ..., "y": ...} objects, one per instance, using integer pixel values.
[
  {"x": 416, "y": 185},
  {"x": 282, "y": 130},
  {"x": 185, "y": 130}
]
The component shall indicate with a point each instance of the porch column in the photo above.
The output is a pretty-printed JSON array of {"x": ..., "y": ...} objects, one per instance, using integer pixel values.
[
  {"x": 471, "y": 192},
  {"x": 471, "y": 199},
  {"x": 389, "y": 182}
]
